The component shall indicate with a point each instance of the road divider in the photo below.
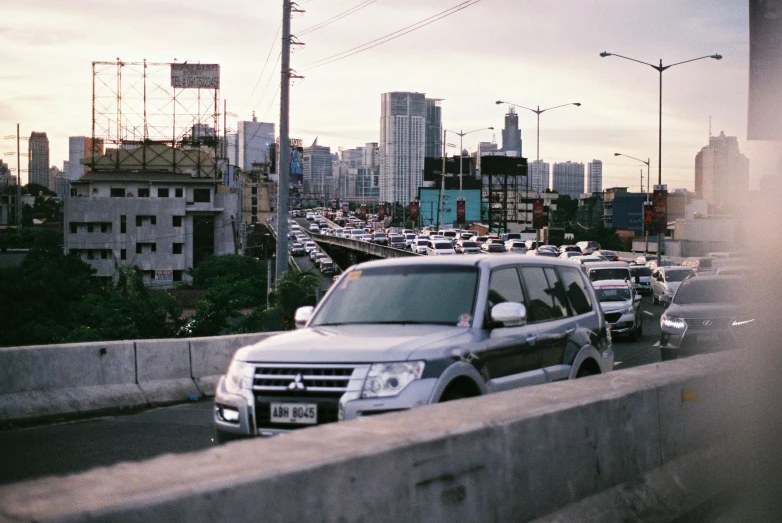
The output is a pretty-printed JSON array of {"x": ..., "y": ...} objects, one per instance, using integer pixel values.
[{"x": 44, "y": 382}]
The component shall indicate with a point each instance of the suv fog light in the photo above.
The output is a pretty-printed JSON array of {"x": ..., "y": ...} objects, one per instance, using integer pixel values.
[{"x": 228, "y": 414}]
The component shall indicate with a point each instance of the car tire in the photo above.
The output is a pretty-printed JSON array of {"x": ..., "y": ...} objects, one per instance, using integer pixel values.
[
  {"x": 654, "y": 299},
  {"x": 584, "y": 371}
]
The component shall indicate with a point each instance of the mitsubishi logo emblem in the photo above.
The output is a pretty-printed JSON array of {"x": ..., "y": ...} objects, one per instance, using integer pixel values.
[
  {"x": 297, "y": 383},
  {"x": 707, "y": 323}
]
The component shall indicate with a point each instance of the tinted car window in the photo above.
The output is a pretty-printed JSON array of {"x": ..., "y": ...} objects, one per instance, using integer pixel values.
[
  {"x": 608, "y": 274},
  {"x": 540, "y": 305},
  {"x": 557, "y": 293},
  {"x": 504, "y": 285},
  {"x": 678, "y": 275},
  {"x": 576, "y": 291},
  {"x": 422, "y": 294},
  {"x": 640, "y": 271}
]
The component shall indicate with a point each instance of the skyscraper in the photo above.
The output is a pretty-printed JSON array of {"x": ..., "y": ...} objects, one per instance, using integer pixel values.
[
  {"x": 38, "y": 159},
  {"x": 594, "y": 176},
  {"x": 252, "y": 143},
  {"x": 402, "y": 145},
  {"x": 511, "y": 134},
  {"x": 721, "y": 171},
  {"x": 318, "y": 171},
  {"x": 569, "y": 178},
  {"x": 538, "y": 175},
  {"x": 434, "y": 128}
]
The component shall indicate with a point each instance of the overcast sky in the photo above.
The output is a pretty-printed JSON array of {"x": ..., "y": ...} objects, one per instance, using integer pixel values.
[{"x": 530, "y": 52}]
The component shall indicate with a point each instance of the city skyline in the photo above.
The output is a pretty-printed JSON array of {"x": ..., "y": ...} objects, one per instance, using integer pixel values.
[{"x": 338, "y": 101}]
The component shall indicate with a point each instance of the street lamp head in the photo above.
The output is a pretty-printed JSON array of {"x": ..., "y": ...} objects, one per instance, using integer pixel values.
[
  {"x": 498, "y": 102},
  {"x": 604, "y": 54},
  {"x": 617, "y": 154},
  {"x": 716, "y": 56},
  {"x": 490, "y": 128},
  {"x": 577, "y": 104}
]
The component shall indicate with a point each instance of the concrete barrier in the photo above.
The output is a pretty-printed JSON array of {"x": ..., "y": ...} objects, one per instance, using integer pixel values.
[
  {"x": 48, "y": 380},
  {"x": 164, "y": 371},
  {"x": 42, "y": 382},
  {"x": 631, "y": 445}
]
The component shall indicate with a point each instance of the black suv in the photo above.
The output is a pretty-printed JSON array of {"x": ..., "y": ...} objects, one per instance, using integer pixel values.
[{"x": 399, "y": 333}]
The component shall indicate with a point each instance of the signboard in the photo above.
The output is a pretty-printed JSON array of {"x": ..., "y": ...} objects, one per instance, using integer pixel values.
[
  {"x": 381, "y": 212},
  {"x": 195, "y": 76},
  {"x": 460, "y": 211},
  {"x": 538, "y": 215},
  {"x": 660, "y": 212},
  {"x": 414, "y": 211},
  {"x": 345, "y": 207},
  {"x": 164, "y": 275},
  {"x": 363, "y": 212},
  {"x": 648, "y": 214}
]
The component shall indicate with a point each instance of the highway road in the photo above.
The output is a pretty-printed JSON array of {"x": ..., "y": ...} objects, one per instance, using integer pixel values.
[{"x": 69, "y": 447}]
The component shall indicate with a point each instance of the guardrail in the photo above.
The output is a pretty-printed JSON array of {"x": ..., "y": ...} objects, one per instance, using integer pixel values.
[
  {"x": 50, "y": 381},
  {"x": 649, "y": 443}
]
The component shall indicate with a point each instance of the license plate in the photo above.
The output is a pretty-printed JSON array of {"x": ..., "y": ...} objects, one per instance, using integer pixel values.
[
  {"x": 301, "y": 413},
  {"x": 708, "y": 338}
]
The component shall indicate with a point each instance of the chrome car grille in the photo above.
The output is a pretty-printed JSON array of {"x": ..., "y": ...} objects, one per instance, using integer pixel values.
[
  {"x": 705, "y": 324},
  {"x": 302, "y": 378}
]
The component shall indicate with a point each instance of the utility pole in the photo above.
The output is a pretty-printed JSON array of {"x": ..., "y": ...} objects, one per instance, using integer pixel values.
[
  {"x": 19, "y": 180},
  {"x": 283, "y": 189}
]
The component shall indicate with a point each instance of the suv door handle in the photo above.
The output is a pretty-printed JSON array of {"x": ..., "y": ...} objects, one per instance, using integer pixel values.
[
  {"x": 570, "y": 330},
  {"x": 532, "y": 338}
]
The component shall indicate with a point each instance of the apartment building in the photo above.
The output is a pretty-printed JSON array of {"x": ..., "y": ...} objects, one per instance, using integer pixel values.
[{"x": 162, "y": 223}]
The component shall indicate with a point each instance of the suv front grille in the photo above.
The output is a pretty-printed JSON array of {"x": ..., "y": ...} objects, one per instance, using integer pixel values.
[
  {"x": 300, "y": 378},
  {"x": 706, "y": 324},
  {"x": 613, "y": 317}
]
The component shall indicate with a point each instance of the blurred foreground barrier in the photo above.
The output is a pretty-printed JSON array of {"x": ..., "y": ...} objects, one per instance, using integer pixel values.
[
  {"x": 50, "y": 381},
  {"x": 648, "y": 443}
]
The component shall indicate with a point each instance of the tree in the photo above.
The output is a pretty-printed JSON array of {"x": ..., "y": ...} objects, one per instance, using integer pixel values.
[{"x": 295, "y": 290}]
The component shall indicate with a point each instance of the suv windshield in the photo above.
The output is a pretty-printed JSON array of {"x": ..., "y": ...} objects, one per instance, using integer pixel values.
[
  {"x": 613, "y": 294},
  {"x": 608, "y": 274},
  {"x": 424, "y": 294},
  {"x": 679, "y": 275},
  {"x": 640, "y": 271}
]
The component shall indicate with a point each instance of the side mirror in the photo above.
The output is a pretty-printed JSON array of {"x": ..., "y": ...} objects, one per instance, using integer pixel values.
[
  {"x": 303, "y": 315},
  {"x": 637, "y": 298},
  {"x": 509, "y": 314}
]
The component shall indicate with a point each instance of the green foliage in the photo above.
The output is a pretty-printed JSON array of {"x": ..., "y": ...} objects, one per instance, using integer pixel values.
[
  {"x": 295, "y": 290},
  {"x": 225, "y": 267},
  {"x": 52, "y": 298},
  {"x": 603, "y": 235},
  {"x": 23, "y": 238},
  {"x": 566, "y": 210}
]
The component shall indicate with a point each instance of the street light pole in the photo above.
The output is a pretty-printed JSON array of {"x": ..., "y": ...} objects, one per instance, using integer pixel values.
[
  {"x": 647, "y": 162},
  {"x": 538, "y": 112},
  {"x": 660, "y": 68}
]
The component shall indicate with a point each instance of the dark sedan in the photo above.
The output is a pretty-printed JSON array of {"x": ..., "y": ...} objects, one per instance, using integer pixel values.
[{"x": 707, "y": 314}]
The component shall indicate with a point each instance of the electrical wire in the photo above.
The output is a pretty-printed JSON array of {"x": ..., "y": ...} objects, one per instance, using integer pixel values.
[
  {"x": 336, "y": 18},
  {"x": 392, "y": 36},
  {"x": 274, "y": 41}
]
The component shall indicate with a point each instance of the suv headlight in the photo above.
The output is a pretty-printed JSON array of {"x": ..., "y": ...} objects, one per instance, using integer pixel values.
[
  {"x": 672, "y": 324},
  {"x": 389, "y": 379},
  {"x": 238, "y": 376}
]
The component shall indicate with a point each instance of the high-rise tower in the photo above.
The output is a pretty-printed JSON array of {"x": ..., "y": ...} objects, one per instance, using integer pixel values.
[
  {"x": 38, "y": 159},
  {"x": 402, "y": 145},
  {"x": 569, "y": 178},
  {"x": 594, "y": 176},
  {"x": 511, "y": 134},
  {"x": 434, "y": 128},
  {"x": 721, "y": 171}
]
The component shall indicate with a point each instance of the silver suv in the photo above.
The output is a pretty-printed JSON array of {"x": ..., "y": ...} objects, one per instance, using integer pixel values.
[{"x": 396, "y": 334}]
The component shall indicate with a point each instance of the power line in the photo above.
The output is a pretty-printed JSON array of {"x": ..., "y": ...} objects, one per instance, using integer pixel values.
[
  {"x": 393, "y": 36},
  {"x": 274, "y": 41},
  {"x": 338, "y": 17}
]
